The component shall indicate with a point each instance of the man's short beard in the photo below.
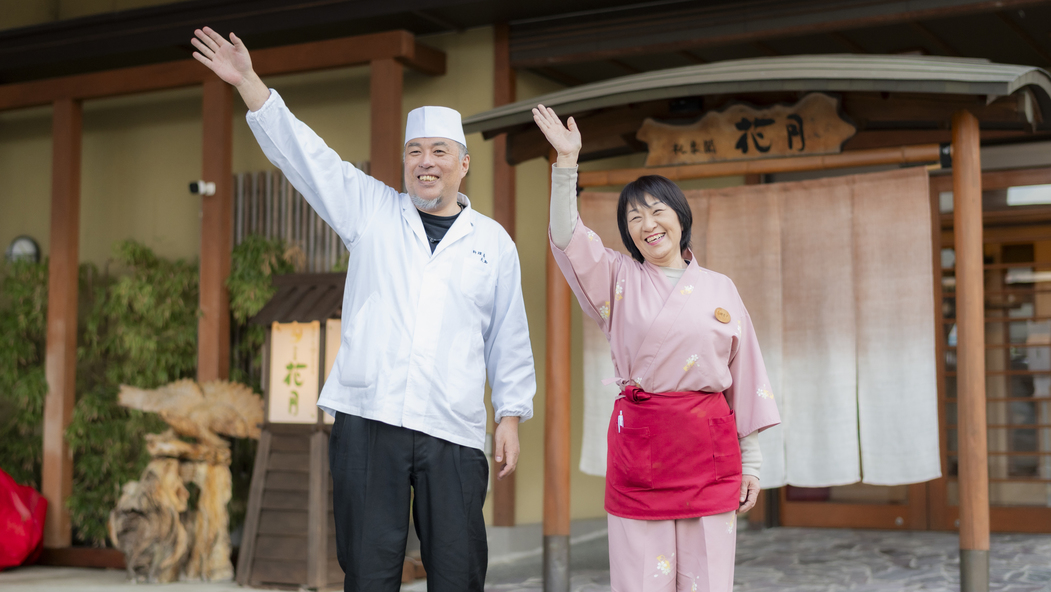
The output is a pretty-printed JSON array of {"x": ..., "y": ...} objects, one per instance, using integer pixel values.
[{"x": 426, "y": 205}]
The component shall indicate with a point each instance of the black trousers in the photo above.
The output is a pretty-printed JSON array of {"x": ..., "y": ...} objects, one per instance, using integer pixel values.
[{"x": 378, "y": 471}]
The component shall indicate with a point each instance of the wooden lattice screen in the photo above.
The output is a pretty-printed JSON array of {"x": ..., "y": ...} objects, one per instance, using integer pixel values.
[{"x": 266, "y": 204}]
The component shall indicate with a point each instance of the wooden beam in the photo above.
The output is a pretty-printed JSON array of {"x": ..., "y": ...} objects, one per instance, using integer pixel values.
[
  {"x": 992, "y": 180},
  {"x": 927, "y": 153},
  {"x": 82, "y": 557},
  {"x": 386, "y": 147},
  {"x": 625, "y": 66},
  {"x": 558, "y": 76},
  {"x": 735, "y": 24},
  {"x": 970, "y": 354},
  {"x": 213, "y": 327},
  {"x": 846, "y": 515},
  {"x": 103, "y": 84},
  {"x": 557, "y": 409},
  {"x": 61, "y": 358},
  {"x": 765, "y": 48},
  {"x": 349, "y": 51},
  {"x": 929, "y": 35},
  {"x": 1025, "y": 37},
  {"x": 847, "y": 42},
  {"x": 301, "y": 57},
  {"x": 425, "y": 60},
  {"x": 504, "y": 213},
  {"x": 692, "y": 57}
]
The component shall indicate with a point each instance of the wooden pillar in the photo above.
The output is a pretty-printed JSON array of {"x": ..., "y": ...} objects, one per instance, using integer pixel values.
[
  {"x": 503, "y": 94},
  {"x": 970, "y": 354},
  {"x": 61, "y": 357},
  {"x": 504, "y": 213},
  {"x": 317, "y": 511},
  {"x": 386, "y": 146},
  {"x": 556, "y": 428},
  {"x": 213, "y": 328}
]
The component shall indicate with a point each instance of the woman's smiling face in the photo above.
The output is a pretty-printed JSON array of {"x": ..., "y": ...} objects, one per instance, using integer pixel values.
[{"x": 656, "y": 231}]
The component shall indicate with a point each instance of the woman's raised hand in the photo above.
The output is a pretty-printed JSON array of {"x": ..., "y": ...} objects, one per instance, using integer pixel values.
[{"x": 565, "y": 139}]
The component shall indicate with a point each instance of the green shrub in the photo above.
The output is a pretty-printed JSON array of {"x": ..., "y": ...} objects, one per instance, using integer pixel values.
[
  {"x": 23, "y": 327},
  {"x": 138, "y": 327},
  {"x": 254, "y": 263}
]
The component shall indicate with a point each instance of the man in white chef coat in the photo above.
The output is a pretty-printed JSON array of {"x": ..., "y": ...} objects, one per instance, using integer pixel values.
[{"x": 433, "y": 305}]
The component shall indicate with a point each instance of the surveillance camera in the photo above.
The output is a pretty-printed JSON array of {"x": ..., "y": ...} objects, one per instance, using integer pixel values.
[{"x": 202, "y": 187}]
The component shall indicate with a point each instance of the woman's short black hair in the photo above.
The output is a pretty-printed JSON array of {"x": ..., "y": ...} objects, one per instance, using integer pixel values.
[{"x": 664, "y": 191}]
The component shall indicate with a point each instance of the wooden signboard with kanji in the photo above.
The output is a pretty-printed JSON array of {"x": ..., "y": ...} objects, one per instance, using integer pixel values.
[
  {"x": 811, "y": 126},
  {"x": 294, "y": 359}
]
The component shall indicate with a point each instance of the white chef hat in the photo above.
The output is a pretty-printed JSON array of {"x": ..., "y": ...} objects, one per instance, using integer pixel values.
[{"x": 434, "y": 122}]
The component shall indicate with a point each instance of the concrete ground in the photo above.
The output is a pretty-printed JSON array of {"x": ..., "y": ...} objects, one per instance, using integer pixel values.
[{"x": 782, "y": 559}]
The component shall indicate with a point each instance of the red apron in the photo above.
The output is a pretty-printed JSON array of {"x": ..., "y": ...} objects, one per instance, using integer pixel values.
[{"x": 672, "y": 455}]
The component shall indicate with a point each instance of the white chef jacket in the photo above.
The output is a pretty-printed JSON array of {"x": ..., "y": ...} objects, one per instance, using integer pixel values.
[{"x": 421, "y": 331}]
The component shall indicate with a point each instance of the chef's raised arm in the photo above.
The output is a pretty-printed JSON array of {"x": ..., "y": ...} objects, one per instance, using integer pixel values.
[{"x": 343, "y": 196}]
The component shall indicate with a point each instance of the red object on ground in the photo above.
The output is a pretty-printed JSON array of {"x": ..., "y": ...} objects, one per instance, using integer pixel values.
[{"x": 22, "y": 512}]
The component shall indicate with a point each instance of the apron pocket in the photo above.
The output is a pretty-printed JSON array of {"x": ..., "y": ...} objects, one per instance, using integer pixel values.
[
  {"x": 631, "y": 459},
  {"x": 725, "y": 447}
]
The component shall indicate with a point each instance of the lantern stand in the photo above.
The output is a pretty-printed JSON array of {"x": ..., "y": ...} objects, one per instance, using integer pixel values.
[{"x": 289, "y": 533}]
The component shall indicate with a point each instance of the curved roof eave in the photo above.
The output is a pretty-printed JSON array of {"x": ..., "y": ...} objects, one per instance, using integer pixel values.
[{"x": 833, "y": 73}]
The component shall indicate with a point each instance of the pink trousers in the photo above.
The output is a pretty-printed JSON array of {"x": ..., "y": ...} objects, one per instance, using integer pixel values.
[{"x": 686, "y": 555}]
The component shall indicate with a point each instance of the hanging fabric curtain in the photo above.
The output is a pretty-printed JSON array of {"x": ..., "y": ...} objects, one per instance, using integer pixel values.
[{"x": 837, "y": 275}]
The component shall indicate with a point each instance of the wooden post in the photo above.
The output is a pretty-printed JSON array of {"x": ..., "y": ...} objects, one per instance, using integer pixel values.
[
  {"x": 385, "y": 89},
  {"x": 556, "y": 428},
  {"x": 317, "y": 512},
  {"x": 970, "y": 354},
  {"x": 504, "y": 213},
  {"x": 503, "y": 94},
  {"x": 61, "y": 357},
  {"x": 213, "y": 328}
]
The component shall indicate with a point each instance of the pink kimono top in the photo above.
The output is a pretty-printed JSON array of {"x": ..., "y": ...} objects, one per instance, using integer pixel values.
[{"x": 694, "y": 337}]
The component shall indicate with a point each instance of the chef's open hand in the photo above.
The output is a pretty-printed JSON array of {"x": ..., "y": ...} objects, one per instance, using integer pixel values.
[
  {"x": 230, "y": 62},
  {"x": 565, "y": 139},
  {"x": 505, "y": 445},
  {"x": 749, "y": 493},
  {"x": 228, "y": 59}
]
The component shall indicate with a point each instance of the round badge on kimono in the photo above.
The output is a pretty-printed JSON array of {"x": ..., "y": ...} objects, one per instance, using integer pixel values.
[{"x": 722, "y": 316}]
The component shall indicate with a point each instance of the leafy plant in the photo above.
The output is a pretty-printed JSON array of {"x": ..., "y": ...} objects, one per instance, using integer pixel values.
[
  {"x": 23, "y": 328},
  {"x": 254, "y": 263},
  {"x": 137, "y": 328},
  {"x": 140, "y": 330}
]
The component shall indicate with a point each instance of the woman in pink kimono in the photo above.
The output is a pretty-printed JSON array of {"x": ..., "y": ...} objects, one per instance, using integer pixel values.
[{"x": 694, "y": 388}]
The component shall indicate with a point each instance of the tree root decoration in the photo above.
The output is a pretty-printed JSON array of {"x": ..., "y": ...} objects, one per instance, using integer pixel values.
[{"x": 162, "y": 537}]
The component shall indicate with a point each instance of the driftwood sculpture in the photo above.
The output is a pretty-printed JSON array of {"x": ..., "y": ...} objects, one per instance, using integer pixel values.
[{"x": 162, "y": 539}]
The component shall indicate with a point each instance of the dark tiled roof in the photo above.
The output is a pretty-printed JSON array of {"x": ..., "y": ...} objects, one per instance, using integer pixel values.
[{"x": 304, "y": 297}]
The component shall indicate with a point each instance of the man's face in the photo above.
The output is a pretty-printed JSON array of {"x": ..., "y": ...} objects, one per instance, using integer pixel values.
[{"x": 434, "y": 169}]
